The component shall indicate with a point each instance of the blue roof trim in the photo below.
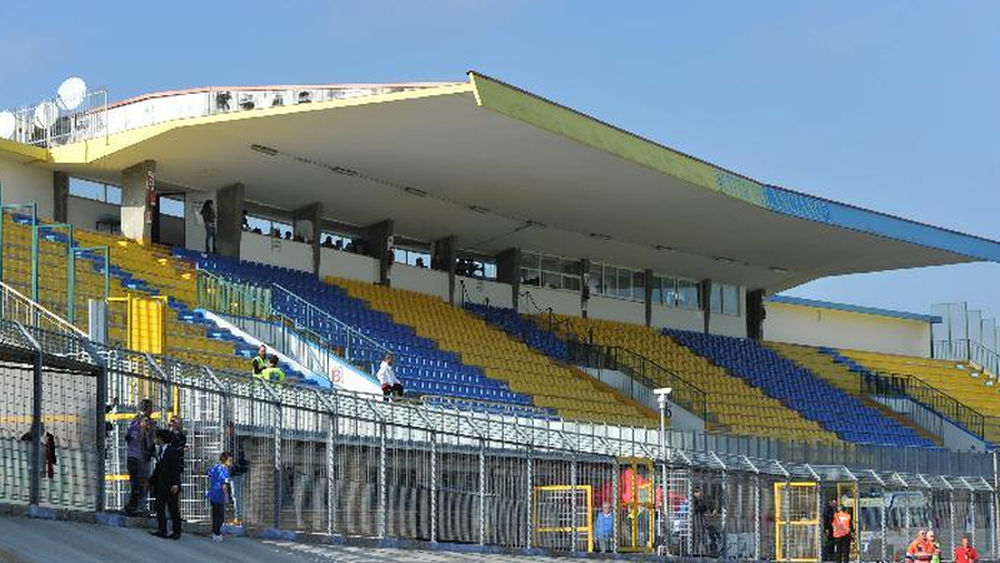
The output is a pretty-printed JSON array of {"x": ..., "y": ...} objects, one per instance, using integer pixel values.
[
  {"x": 789, "y": 300},
  {"x": 803, "y": 206}
]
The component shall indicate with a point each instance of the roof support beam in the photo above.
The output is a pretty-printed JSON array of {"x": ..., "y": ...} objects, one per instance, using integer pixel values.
[
  {"x": 229, "y": 209},
  {"x": 705, "y": 294},
  {"x": 443, "y": 257},
  {"x": 60, "y": 197},
  {"x": 380, "y": 242},
  {"x": 509, "y": 271},
  {"x": 138, "y": 192},
  {"x": 306, "y": 224}
]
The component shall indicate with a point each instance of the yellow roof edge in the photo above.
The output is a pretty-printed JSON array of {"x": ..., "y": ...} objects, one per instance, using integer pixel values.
[
  {"x": 85, "y": 152},
  {"x": 24, "y": 152}
]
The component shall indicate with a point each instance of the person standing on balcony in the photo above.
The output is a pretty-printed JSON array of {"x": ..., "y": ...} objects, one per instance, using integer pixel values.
[
  {"x": 387, "y": 378},
  {"x": 208, "y": 216}
]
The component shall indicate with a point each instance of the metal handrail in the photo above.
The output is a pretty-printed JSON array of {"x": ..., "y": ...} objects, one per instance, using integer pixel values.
[
  {"x": 13, "y": 304},
  {"x": 642, "y": 370},
  {"x": 919, "y": 391},
  {"x": 965, "y": 349},
  {"x": 346, "y": 327}
]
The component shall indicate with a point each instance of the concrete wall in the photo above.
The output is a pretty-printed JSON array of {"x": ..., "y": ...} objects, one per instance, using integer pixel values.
[
  {"x": 729, "y": 325},
  {"x": 276, "y": 252},
  {"x": 478, "y": 291},
  {"x": 621, "y": 310},
  {"x": 341, "y": 264},
  {"x": 817, "y": 326},
  {"x": 562, "y": 302},
  {"x": 84, "y": 213},
  {"x": 680, "y": 319},
  {"x": 25, "y": 184},
  {"x": 421, "y": 280}
]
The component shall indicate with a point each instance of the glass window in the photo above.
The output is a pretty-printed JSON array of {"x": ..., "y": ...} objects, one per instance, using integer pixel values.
[
  {"x": 639, "y": 286},
  {"x": 596, "y": 279},
  {"x": 114, "y": 196},
  {"x": 551, "y": 280},
  {"x": 624, "y": 283},
  {"x": 550, "y": 264},
  {"x": 730, "y": 300},
  {"x": 87, "y": 189},
  {"x": 530, "y": 277},
  {"x": 687, "y": 294},
  {"x": 529, "y": 260},
  {"x": 571, "y": 282},
  {"x": 571, "y": 267},
  {"x": 670, "y": 296},
  {"x": 172, "y": 207},
  {"x": 657, "y": 292},
  {"x": 716, "y": 298}
]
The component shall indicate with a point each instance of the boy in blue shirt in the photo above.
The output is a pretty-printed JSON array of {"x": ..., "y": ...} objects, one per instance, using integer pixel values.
[
  {"x": 604, "y": 529},
  {"x": 218, "y": 493}
]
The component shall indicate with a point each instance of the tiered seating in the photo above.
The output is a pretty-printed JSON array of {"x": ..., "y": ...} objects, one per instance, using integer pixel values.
[
  {"x": 821, "y": 364},
  {"x": 520, "y": 328},
  {"x": 424, "y": 368},
  {"x": 135, "y": 269},
  {"x": 964, "y": 382},
  {"x": 736, "y": 407},
  {"x": 799, "y": 389},
  {"x": 572, "y": 393}
]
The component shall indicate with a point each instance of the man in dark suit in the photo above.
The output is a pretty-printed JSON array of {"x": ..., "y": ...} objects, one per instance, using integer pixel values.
[{"x": 166, "y": 482}]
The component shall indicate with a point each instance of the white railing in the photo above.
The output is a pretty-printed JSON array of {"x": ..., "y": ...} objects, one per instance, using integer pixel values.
[
  {"x": 96, "y": 118},
  {"x": 17, "y": 307}
]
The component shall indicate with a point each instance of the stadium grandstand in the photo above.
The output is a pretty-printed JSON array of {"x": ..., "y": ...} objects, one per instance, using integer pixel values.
[{"x": 577, "y": 315}]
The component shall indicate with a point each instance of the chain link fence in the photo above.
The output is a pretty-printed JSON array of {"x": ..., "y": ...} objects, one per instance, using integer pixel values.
[{"x": 355, "y": 465}]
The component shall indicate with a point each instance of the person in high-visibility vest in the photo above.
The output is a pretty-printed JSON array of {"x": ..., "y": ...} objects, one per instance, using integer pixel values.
[
  {"x": 921, "y": 550},
  {"x": 842, "y": 535},
  {"x": 259, "y": 362},
  {"x": 272, "y": 372}
]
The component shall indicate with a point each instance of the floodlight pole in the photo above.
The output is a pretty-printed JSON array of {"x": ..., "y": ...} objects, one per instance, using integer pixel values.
[{"x": 661, "y": 399}]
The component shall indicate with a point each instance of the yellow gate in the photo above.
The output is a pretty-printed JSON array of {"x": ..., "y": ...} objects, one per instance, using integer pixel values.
[
  {"x": 797, "y": 524},
  {"x": 638, "y": 504},
  {"x": 144, "y": 329}
]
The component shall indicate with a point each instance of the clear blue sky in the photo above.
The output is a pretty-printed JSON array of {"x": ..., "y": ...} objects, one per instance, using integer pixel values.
[{"x": 891, "y": 105}]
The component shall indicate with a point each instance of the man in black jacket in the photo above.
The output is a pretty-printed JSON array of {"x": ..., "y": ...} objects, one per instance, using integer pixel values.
[
  {"x": 166, "y": 482},
  {"x": 828, "y": 512}
]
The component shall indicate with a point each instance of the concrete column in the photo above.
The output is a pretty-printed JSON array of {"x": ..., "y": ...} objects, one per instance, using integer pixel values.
[
  {"x": 755, "y": 314},
  {"x": 229, "y": 220},
  {"x": 705, "y": 288},
  {"x": 649, "y": 296},
  {"x": 306, "y": 222},
  {"x": 509, "y": 271},
  {"x": 443, "y": 257},
  {"x": 584, "y": 286},
  {"x": 60, "y": 197},
  {"x": 380, "y": 237},
  {"x": 138, "y": 200}
]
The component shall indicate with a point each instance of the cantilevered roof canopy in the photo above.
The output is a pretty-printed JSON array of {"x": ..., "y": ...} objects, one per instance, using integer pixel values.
[{"x": 499, "y": 167}]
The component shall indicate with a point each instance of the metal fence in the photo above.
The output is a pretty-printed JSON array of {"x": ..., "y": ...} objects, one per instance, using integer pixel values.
[{"x": 341, "y": 463}]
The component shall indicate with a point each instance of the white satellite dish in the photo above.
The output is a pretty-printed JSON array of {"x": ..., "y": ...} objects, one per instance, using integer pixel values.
[
  {"x": 7, "y": 124},
  {"x": 45, "y": 115},
  {"x": 71, "y": 93}
]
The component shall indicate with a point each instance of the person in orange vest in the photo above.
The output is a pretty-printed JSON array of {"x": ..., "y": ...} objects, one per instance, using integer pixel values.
[
  {"x": 842, "y": 535},
  {"x": 921, "y": 550}
]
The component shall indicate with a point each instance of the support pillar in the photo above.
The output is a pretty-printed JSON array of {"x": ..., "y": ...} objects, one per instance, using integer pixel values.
[
  {"x": 229, "y": 220},
  {"x": 444, "y": 255},
  {"x": 139, "y": 201},
  {"x": 584, "y": 286},
  {"x": 509, "y": 271},
  {"x": 649, "y": 297},
  {"x": 705, "y": 290},
  {"x": 306, "y": 222},
  {"x": 60, "y": 197},
  {"x": 755, "y": 314},
  {"x": 380, "y": 240}
]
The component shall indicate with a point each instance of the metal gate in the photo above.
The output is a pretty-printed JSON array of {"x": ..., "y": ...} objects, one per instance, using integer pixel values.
[{"x": 797, "y": 526}]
